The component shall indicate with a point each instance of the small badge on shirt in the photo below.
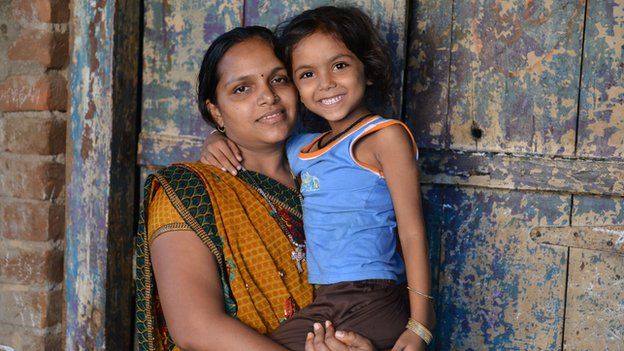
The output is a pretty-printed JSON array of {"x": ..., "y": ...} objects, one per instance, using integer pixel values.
[{"x": 309, "y": 182}]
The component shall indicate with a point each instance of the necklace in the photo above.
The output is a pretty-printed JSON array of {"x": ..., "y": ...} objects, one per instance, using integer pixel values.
[
  {"x": 298, "y": 254},
  {"x": 318, "y": 144}
]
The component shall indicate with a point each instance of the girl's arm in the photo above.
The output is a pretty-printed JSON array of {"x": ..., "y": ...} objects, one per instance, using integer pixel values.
[
  {"x": 192, "y": 297},
  {"x": 221, "y": 152},
  {"x": 393, "y": 149}
]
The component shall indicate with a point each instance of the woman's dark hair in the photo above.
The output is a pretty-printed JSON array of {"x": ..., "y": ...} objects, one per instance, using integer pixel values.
[
  {"x": 208, "y": 74},
  {"x": 351, "y": 26}
]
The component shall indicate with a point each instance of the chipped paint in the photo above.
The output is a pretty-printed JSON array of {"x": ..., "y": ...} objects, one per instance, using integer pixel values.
[
  {"x": 100, "y": 187},
  {"x": 601, "y": 117},
  {"x": 498, "y": 289}
]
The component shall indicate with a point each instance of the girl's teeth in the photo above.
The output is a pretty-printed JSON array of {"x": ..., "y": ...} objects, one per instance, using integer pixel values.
[{"x": 331, "y": 101}]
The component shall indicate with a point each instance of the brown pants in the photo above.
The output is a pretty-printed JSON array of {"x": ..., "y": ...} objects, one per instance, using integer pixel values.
[{"x": 376, "y": 309}]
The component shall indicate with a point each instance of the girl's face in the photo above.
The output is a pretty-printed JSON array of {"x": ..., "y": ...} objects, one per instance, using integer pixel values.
[
  {"x": 330, "y": 78},
  {"x": 256, "y": 101}
]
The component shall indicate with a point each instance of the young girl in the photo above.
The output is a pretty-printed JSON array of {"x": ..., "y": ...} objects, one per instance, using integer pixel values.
[{"x": 359, "y": 182}]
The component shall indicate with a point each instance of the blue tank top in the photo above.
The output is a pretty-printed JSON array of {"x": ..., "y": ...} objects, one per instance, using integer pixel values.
[{"x": 348, "y": 216}]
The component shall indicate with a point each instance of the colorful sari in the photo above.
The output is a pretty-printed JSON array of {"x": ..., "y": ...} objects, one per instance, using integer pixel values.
[{"x": 261, "y": 284}]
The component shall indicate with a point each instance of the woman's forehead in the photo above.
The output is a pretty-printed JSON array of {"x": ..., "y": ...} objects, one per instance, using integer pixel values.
[{"x": 252, "y": 56}]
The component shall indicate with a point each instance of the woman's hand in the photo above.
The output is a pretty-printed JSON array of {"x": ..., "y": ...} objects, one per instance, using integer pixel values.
[
  {"x": 221, "y": 152},
  {"x": 409, "y": 341},
  {"x": 328, "y": 340}
]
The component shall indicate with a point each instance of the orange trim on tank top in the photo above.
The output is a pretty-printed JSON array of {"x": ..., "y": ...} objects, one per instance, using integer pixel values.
[
  {"x": 310, "y": 155},
  {"x": 379, "y": 126}
]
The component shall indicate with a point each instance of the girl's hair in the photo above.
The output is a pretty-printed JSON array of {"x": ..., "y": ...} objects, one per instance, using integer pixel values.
[
  {"x": 351, "y": 26},
  {"x": 208, "y": 73}
]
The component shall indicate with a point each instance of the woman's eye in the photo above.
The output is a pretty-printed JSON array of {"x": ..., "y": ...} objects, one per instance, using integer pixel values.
[
  {"x": 241, "y": 89},
  {"x": 306, "y": 75},
  {"x": 340, "y": 65}
]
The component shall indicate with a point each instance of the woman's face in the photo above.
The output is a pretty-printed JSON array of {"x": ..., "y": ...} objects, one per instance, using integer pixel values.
[{"x": 256, "y": 101}]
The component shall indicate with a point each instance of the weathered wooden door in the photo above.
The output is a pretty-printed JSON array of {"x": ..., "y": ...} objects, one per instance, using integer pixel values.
[{"x": 518, "y": 111}]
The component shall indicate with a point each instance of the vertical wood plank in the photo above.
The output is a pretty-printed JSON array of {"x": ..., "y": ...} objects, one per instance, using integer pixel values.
[
  {"x": 498, "y": 289},
  {"x": 388, "y": 15},
  {"x": 601, "y": 117},
  {"x": 595, "y": 297},
  {"x": 101, "y": 162},
  {"x": 426, "y": 94},
  {"x": 177, "y": 34},
  {"x": 514, "y": 75}
]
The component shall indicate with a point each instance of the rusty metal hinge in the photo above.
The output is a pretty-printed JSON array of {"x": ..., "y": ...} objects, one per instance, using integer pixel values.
[{"x": 601, "y": 238}]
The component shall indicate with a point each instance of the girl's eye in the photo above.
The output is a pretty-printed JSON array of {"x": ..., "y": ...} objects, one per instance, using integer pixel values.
[
  {"x": 241, "y": 89},
  {"x": 340, "y": 65},
  {"x": 306, "y": 75},
  {"x": 280, "y": 80}
]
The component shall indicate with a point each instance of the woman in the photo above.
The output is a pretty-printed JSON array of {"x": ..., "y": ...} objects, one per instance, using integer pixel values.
[{"x": 213, "y": 246}]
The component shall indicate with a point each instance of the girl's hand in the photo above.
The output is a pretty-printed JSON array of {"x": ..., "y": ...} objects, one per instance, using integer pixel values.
[
  {"x": 409, "y": 341},
  {"x": 221, "y": 152},
  {"x": 327, "y": 340}
]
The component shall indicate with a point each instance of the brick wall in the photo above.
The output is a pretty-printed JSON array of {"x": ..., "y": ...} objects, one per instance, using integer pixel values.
[{"x": 34, "y": 58}]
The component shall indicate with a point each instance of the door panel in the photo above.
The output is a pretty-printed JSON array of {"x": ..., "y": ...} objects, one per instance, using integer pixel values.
[
  {"x": 601, "y": 118},
  {"x": 498, "y": 289},
  {"x": 426, "y": 104},
  {"x": 514, "y": 75},
  {"x": 177, "y": 33},
  {"x": 595, "y": 297}
]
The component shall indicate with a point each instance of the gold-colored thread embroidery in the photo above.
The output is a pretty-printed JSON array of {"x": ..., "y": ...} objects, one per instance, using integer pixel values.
[{"x": 171, "y": 227}]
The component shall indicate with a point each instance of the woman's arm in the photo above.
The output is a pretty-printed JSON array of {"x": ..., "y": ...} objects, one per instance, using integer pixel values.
[
  {"x": 395, "y": 154},
  {"x": 192, "y": 297}
]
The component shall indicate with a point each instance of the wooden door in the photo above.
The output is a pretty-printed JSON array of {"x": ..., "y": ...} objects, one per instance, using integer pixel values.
[{"x": 518, "y": 111}]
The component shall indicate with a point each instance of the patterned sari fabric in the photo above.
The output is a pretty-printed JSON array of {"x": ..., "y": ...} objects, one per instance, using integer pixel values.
[{"x": 261, "y": 284}]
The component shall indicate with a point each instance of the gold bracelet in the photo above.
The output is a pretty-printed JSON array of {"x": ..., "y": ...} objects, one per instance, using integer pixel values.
[
  {"x": 419, "y": 293},
  {"x": 420, "y": 330}
]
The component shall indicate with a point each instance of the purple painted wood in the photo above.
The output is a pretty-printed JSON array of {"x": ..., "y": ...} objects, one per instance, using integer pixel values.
[
  {"x": 101, "y": 163},
  {"x": 498, "y": 289},
  {"x": 594, "y": 318},
  {"x": 514, "y": 75},
  {"x": 177, "y": 33},
  {"x": 601, "y": 118},
  {"x": 426, "y": 102}
]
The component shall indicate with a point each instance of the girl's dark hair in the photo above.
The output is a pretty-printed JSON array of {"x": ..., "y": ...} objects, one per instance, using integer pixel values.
[
  {"x": 351, "y": 26},
  {"x": 208, "y": 74}
]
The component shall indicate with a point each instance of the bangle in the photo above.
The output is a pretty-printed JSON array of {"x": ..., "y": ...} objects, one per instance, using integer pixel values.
[
  {"x": 419, "y": 330},
  {"x": 419, "y": 293}
]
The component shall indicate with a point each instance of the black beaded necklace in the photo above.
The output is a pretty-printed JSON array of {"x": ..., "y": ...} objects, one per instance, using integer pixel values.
[{"x": 320, "y": 146}]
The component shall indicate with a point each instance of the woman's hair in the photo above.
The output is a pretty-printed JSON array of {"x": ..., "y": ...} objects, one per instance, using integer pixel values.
[
  {"x": 351, "y": 26},
  {"x": 208, "y": 73}
]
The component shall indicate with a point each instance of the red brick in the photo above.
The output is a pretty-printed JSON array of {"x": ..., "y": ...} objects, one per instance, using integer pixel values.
[
  {"x": 33, "y": 93},
  {"x": 32, "y": 266},
  {"x": 31, "y": 179},
  {"x": 34, "y": 135},
  {"x": 51, "y": 49},
  {"x": 22, "y": 306},
  {"x": 33, "y": 220},
  {"x": 50, "y": 11}
]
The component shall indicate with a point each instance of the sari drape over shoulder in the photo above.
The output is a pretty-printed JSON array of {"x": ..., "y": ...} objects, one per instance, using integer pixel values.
[{"x": 261, "y": 284}]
